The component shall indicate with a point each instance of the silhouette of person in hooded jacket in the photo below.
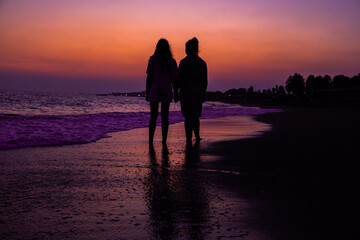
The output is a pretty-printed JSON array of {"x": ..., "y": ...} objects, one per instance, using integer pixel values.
[{"x": 192, "y": 85}]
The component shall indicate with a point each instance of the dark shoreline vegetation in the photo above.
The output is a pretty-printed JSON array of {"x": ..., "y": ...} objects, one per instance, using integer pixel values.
[
  {"x": 314, "y": 91},
  {"x": 322, "y": 91}
]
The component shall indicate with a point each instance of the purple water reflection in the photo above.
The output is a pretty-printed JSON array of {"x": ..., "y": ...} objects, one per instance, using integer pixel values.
[{"x": 17, "y": 131}]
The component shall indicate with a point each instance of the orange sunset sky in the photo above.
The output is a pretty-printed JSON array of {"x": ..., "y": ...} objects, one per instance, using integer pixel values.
[{"x": 104, "y": 46}]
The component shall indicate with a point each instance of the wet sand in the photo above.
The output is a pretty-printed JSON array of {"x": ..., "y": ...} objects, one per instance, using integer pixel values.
[
  {"x": 290, "y": 175},
  {"x": 118, "y": 188},
  {"x": 304, "y": 173}
]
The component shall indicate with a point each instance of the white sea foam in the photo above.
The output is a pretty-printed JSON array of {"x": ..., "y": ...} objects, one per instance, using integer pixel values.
[{"x": 34, "y": 119}]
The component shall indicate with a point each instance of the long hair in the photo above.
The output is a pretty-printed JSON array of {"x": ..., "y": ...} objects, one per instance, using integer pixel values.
[{"x": 164, "y": 52}]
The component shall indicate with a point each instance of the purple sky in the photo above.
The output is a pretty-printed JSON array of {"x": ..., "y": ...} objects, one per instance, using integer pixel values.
[{"x": 103, "y": 46}]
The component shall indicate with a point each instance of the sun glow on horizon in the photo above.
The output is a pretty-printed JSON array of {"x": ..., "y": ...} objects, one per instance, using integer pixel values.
[{"x": 243, "y": 42}]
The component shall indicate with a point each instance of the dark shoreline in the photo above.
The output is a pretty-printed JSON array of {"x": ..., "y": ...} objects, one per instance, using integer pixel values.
[{"x": 305, "y": 171}]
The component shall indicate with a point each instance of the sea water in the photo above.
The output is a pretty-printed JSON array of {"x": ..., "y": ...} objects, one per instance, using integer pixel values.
[{"x": 29, "y": 119}]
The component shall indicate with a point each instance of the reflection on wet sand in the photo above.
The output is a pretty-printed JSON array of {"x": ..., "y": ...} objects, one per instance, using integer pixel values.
[
  {"x": 159, "y": 196},
  {"x": 117, "y": 189},
  {"x": 177, "y": 204}
]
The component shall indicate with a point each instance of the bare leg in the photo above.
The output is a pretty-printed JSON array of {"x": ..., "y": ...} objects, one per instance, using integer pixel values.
[
  {"x": 154, "y": 108},
  {"x": 196, "y": 128},
  {"x": 164, "y": 120},
  {"x": 188, "y": 129}
]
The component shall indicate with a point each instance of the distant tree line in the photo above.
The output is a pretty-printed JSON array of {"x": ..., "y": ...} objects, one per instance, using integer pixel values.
[
  {"x": 297, "y": 85},
  {"x": 321, "y": 90},
  {"x": 297, "y": 89}
]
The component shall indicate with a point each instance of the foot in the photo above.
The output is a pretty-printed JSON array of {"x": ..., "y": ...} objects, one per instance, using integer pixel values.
[
  {"x": 151, "y": 149},
  {"x": 165, "y": 149}
]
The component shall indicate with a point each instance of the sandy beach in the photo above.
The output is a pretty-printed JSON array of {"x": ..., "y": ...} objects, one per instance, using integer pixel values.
[
  {"x": 305, "y": 171},
  {"x": 118, "y": 188},
  {"x": 289, "y": 175}
]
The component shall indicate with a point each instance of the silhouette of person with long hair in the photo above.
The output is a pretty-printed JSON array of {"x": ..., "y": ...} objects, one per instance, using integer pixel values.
[
  {"x": 192, "y": 84},
  {"x": 162, "y": 73}
]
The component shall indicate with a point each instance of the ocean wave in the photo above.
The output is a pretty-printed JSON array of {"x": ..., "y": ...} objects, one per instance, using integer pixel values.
[{"x": 18, "y": 131}]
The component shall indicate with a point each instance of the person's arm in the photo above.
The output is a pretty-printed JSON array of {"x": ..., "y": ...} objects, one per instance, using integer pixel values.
[
  {"x": 175, "y": 82},
  {"x": 149, "y": 78},
  {"x": 148, "y": 84},
  {"x": 176, "y": 90},
  {"x": 205, "y": 82}
]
